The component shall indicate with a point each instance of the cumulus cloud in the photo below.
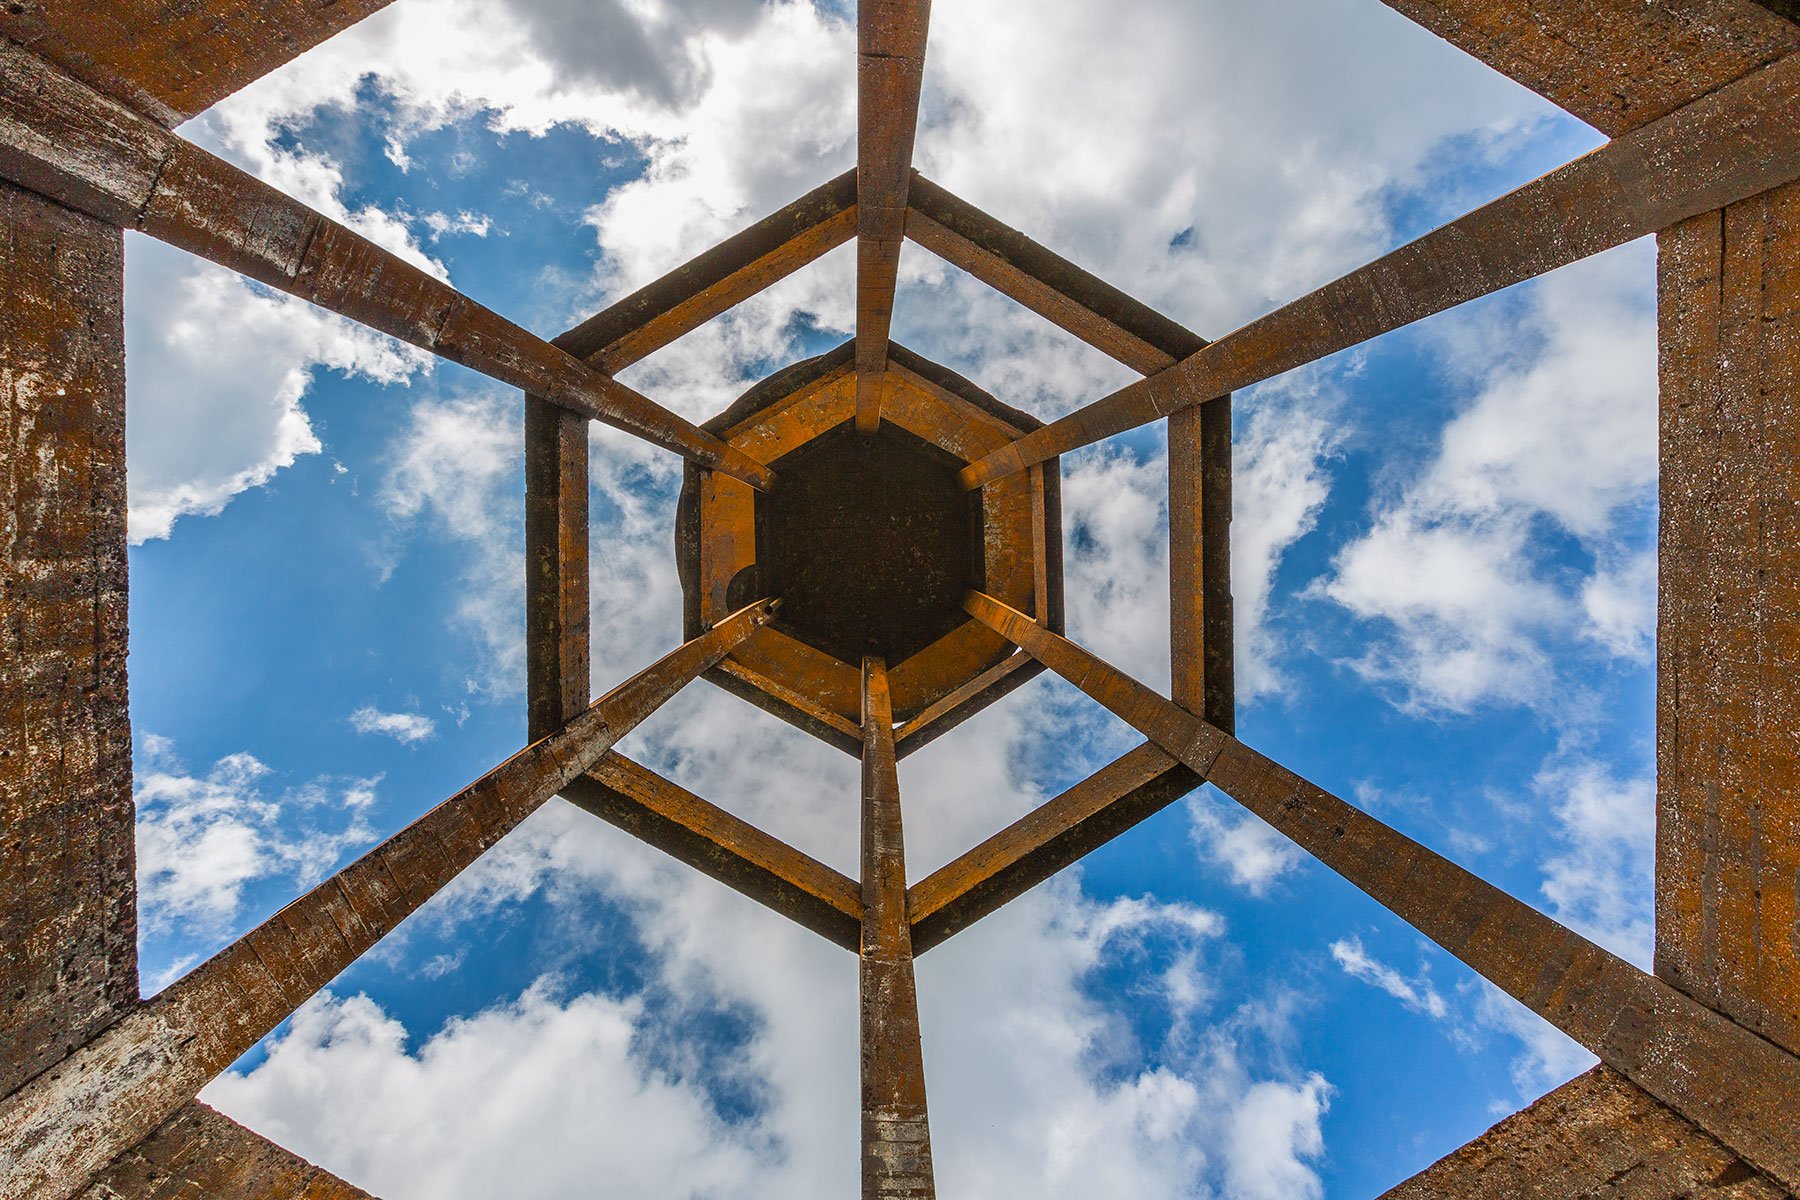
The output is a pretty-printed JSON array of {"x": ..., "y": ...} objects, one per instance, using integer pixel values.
[
  {"x": 1458, "y": 575},
  {"x": 203, "y": 838},
  {"x": 1110, "y": 148},
  {"x": 455, "y": 471},
  {"x": 1279, "y": 485},
  {"x": 1601, "y": 882},
  {"x": 218, "y": 369},
  {"x": 1415, "y": 994},
  {"x": 502, "y": 1087},
  {"x": 1038, "y": 1085},
  {"x": 404, "y": 727},
  {"x": 1240, "y": 843}
]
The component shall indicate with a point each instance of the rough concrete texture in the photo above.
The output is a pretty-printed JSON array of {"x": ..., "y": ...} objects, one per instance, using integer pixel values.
[
  {"x": 172, "y": 58},
  {"x": 1616, "y": 64},
  {"x": 1595, "y": 1136},
  {"x": 201, "y": 1153},
  {"x": 68, "y": 920},
  {"x": 1728, "y": 670}
]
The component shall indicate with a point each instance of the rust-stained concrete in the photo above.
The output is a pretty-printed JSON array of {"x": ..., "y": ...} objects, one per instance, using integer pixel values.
[
  {"x": 1728, "y": 633},
  {"x": 1728, "y": 867},
  {"x": 1595, "y": 1136},
  {"x": 68, "y": 926},
  {"x": 201, "y": 1153}
]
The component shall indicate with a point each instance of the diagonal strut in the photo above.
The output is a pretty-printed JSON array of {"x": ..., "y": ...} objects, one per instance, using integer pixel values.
[
  {"x": 1738, "y": 141},
  {"x": 896, "y": 1135},
  {"x": 64, "y": 140},
  {"x": 1726, "y": 1079},
  {"x": 59, "y": 1130}
]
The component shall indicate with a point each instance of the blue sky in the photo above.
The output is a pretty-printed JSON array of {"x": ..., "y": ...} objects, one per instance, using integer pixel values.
[{"x": 1442, "y": 569}]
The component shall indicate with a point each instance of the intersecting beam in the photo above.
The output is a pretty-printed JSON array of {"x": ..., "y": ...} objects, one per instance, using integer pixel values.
[
  {"x": 896, "y": 1135},
  {"x": 954, "y": 707},
  {"x": 64, "y": 140},
  {"x": 69, "y": 1122},
  {"x": 1199, "y": 438},
  {"x": 199, "y": 1153},
  {"x": 557, "y": 668},
  {"x": 1736, "y": 142},
  {"x": 1729, "y": 1081},
  {"x": 1201, "y": 627},
  {"x": 1045, "y": 282},
  {"x": 712, "y": 841},
  {"x": 734, "y": 270},
  {"x": 173, "y": 59},
  {"x": 1057, "y": 833},
  {"x": 1616, "y": 64},
  {"x": 890, "y": 67}
]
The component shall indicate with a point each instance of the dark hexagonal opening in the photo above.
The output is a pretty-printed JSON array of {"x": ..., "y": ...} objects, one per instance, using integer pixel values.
[{"x": 870, "y": 542}]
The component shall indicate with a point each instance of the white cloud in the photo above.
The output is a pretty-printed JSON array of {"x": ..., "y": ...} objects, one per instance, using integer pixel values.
[
  {"x": 455, "y": 470},
  {"x": 1275, "y": 1134},
  {"x": 202, "y": 839},
  {"x": 1457, "y": 572},
  {"x": 1100, "y": 132},
  {"x": 1619, "y": 606},
  {"x": 1246, "y": 847},
  {"x": 218, "y": 370},
  {"x": 1116, "y": 561},
  {"x": 1416, "y": 993},
  {"x": 1602, "y": 882},
  {"x": 1547, "y": 1057},
  {"x": 516, "y": 1090},
  {"x": 404, "y": 727},
  {"x": 1279, "y": 486},
  {"x": 1033, "y": 1091}
]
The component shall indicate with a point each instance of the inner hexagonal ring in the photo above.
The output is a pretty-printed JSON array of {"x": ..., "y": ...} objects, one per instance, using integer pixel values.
[{"x": 870, "y": 542}]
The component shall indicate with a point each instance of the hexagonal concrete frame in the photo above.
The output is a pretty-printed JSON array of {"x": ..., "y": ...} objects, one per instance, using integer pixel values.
[{"x": 1005, "y": 539}]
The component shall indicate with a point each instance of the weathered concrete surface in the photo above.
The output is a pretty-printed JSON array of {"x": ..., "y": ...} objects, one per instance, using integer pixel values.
[
  {"x": 1728, "y": 669},
  {"x": 171, "y": 59},
  {"x": 68, "y": 925},
  {"x": 1616, "y": 64},
  {"x": 1596, "y": 1136},
  {"x": 896, "y": 1131},
  {"x": 557, "y": 669},
  {"x": 202, "y": 1153}
]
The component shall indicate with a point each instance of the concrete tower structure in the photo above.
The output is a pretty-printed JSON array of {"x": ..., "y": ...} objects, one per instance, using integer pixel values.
[{"x": 870, "y": 549}]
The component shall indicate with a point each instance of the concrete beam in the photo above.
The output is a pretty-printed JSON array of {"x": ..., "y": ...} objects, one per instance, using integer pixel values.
[
  {"x": 716, "y": 843},
  {"x": 896, "y": 1132},
  {"x": 1728, "y": 613},
  {"x": 68, "y": 913},
  {"x": 1598, "y": 1137},
  {"x": 173, "y": 59},
  {"x": 199, "y": 1152},
  {"x": 890, "y": 70},
  {"x": 734, "y": 270},
  {"x": 1616, "y": 64}
]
